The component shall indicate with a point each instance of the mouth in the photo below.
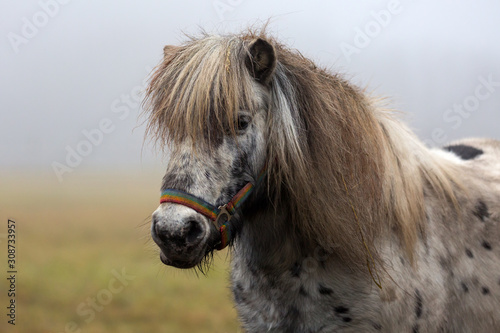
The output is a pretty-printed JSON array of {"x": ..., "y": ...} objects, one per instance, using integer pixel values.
[
  {"x": 184, "y": 260},
  {"x": 177, "y": 263}
]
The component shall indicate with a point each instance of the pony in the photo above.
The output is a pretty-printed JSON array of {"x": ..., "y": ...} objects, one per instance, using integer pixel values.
[{"x": 337, "y": 217}]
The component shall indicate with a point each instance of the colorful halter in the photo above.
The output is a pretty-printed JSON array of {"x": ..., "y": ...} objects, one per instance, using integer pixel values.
[{"x": 223, "y": 213}]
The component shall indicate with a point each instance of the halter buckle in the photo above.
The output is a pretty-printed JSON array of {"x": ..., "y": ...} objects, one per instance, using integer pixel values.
[{"x": 223, "y": 215}]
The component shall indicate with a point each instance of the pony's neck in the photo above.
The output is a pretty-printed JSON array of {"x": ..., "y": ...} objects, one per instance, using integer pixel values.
[
  {"x": 266, "y": 241},
  {"x": 273, "y": 240}
]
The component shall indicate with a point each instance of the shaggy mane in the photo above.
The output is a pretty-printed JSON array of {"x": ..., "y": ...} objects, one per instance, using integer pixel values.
[{"x": 324, "y": 135}]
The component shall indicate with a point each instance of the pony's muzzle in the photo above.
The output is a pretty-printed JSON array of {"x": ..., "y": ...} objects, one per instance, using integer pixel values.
[{"x": 181, "y": 238}]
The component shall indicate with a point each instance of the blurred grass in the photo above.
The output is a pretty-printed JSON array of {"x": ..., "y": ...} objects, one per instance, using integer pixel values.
[{"x": 72, "y": 235}]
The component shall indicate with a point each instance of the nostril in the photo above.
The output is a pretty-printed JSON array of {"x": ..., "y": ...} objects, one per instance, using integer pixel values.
[
  {"x": 194, "y": 231},
  {"x": 161, "y": 235}
]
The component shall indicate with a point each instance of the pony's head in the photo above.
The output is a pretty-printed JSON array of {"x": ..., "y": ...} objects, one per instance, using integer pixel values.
[{"x": 209, "y": 102}]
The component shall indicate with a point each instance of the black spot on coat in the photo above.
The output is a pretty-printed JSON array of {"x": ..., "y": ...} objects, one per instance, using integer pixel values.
[
  {"x": 469, "y": 253},
  {"x": 296, "y": 269},
  {"x": 341, "y": 309},
  {"x": 324, "y": 290},
  {"x": 238, "y": 293},
  {"x": 485, "y": 290},
  {"x": 465, "y": 152},
  {"x": 486, "y": 245},
  {"x": 481, "y": 211},
  {"x": 419, "y": 303},
  {"x": 464, "y": 287},
  {"x": 302, "y": 291}
]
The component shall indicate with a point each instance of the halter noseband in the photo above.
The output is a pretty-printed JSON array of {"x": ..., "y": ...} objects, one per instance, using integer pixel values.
[{"x": 224, "y": 212}]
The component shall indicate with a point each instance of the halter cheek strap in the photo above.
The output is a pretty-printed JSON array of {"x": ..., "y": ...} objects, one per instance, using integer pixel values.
[{"x": 223, "y": 213}]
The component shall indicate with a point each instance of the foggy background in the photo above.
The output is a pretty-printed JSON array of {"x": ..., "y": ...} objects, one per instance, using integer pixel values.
[{"x": 68, "y": 66}]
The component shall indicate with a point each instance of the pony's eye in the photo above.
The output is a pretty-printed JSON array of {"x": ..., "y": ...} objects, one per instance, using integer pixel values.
[{"x": 243, "y": 122}]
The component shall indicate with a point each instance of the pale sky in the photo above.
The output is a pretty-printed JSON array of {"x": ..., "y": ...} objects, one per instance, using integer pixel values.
[{"x": 70, "y": 67}]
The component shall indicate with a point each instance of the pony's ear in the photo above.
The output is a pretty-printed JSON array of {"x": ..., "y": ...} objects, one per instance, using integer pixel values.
[
  {"x": 261, "y": 60},
  {"x": 169, "y": 50}
]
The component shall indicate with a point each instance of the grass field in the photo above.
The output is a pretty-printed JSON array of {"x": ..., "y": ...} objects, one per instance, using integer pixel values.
[{"x": 74, "y": 238}]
